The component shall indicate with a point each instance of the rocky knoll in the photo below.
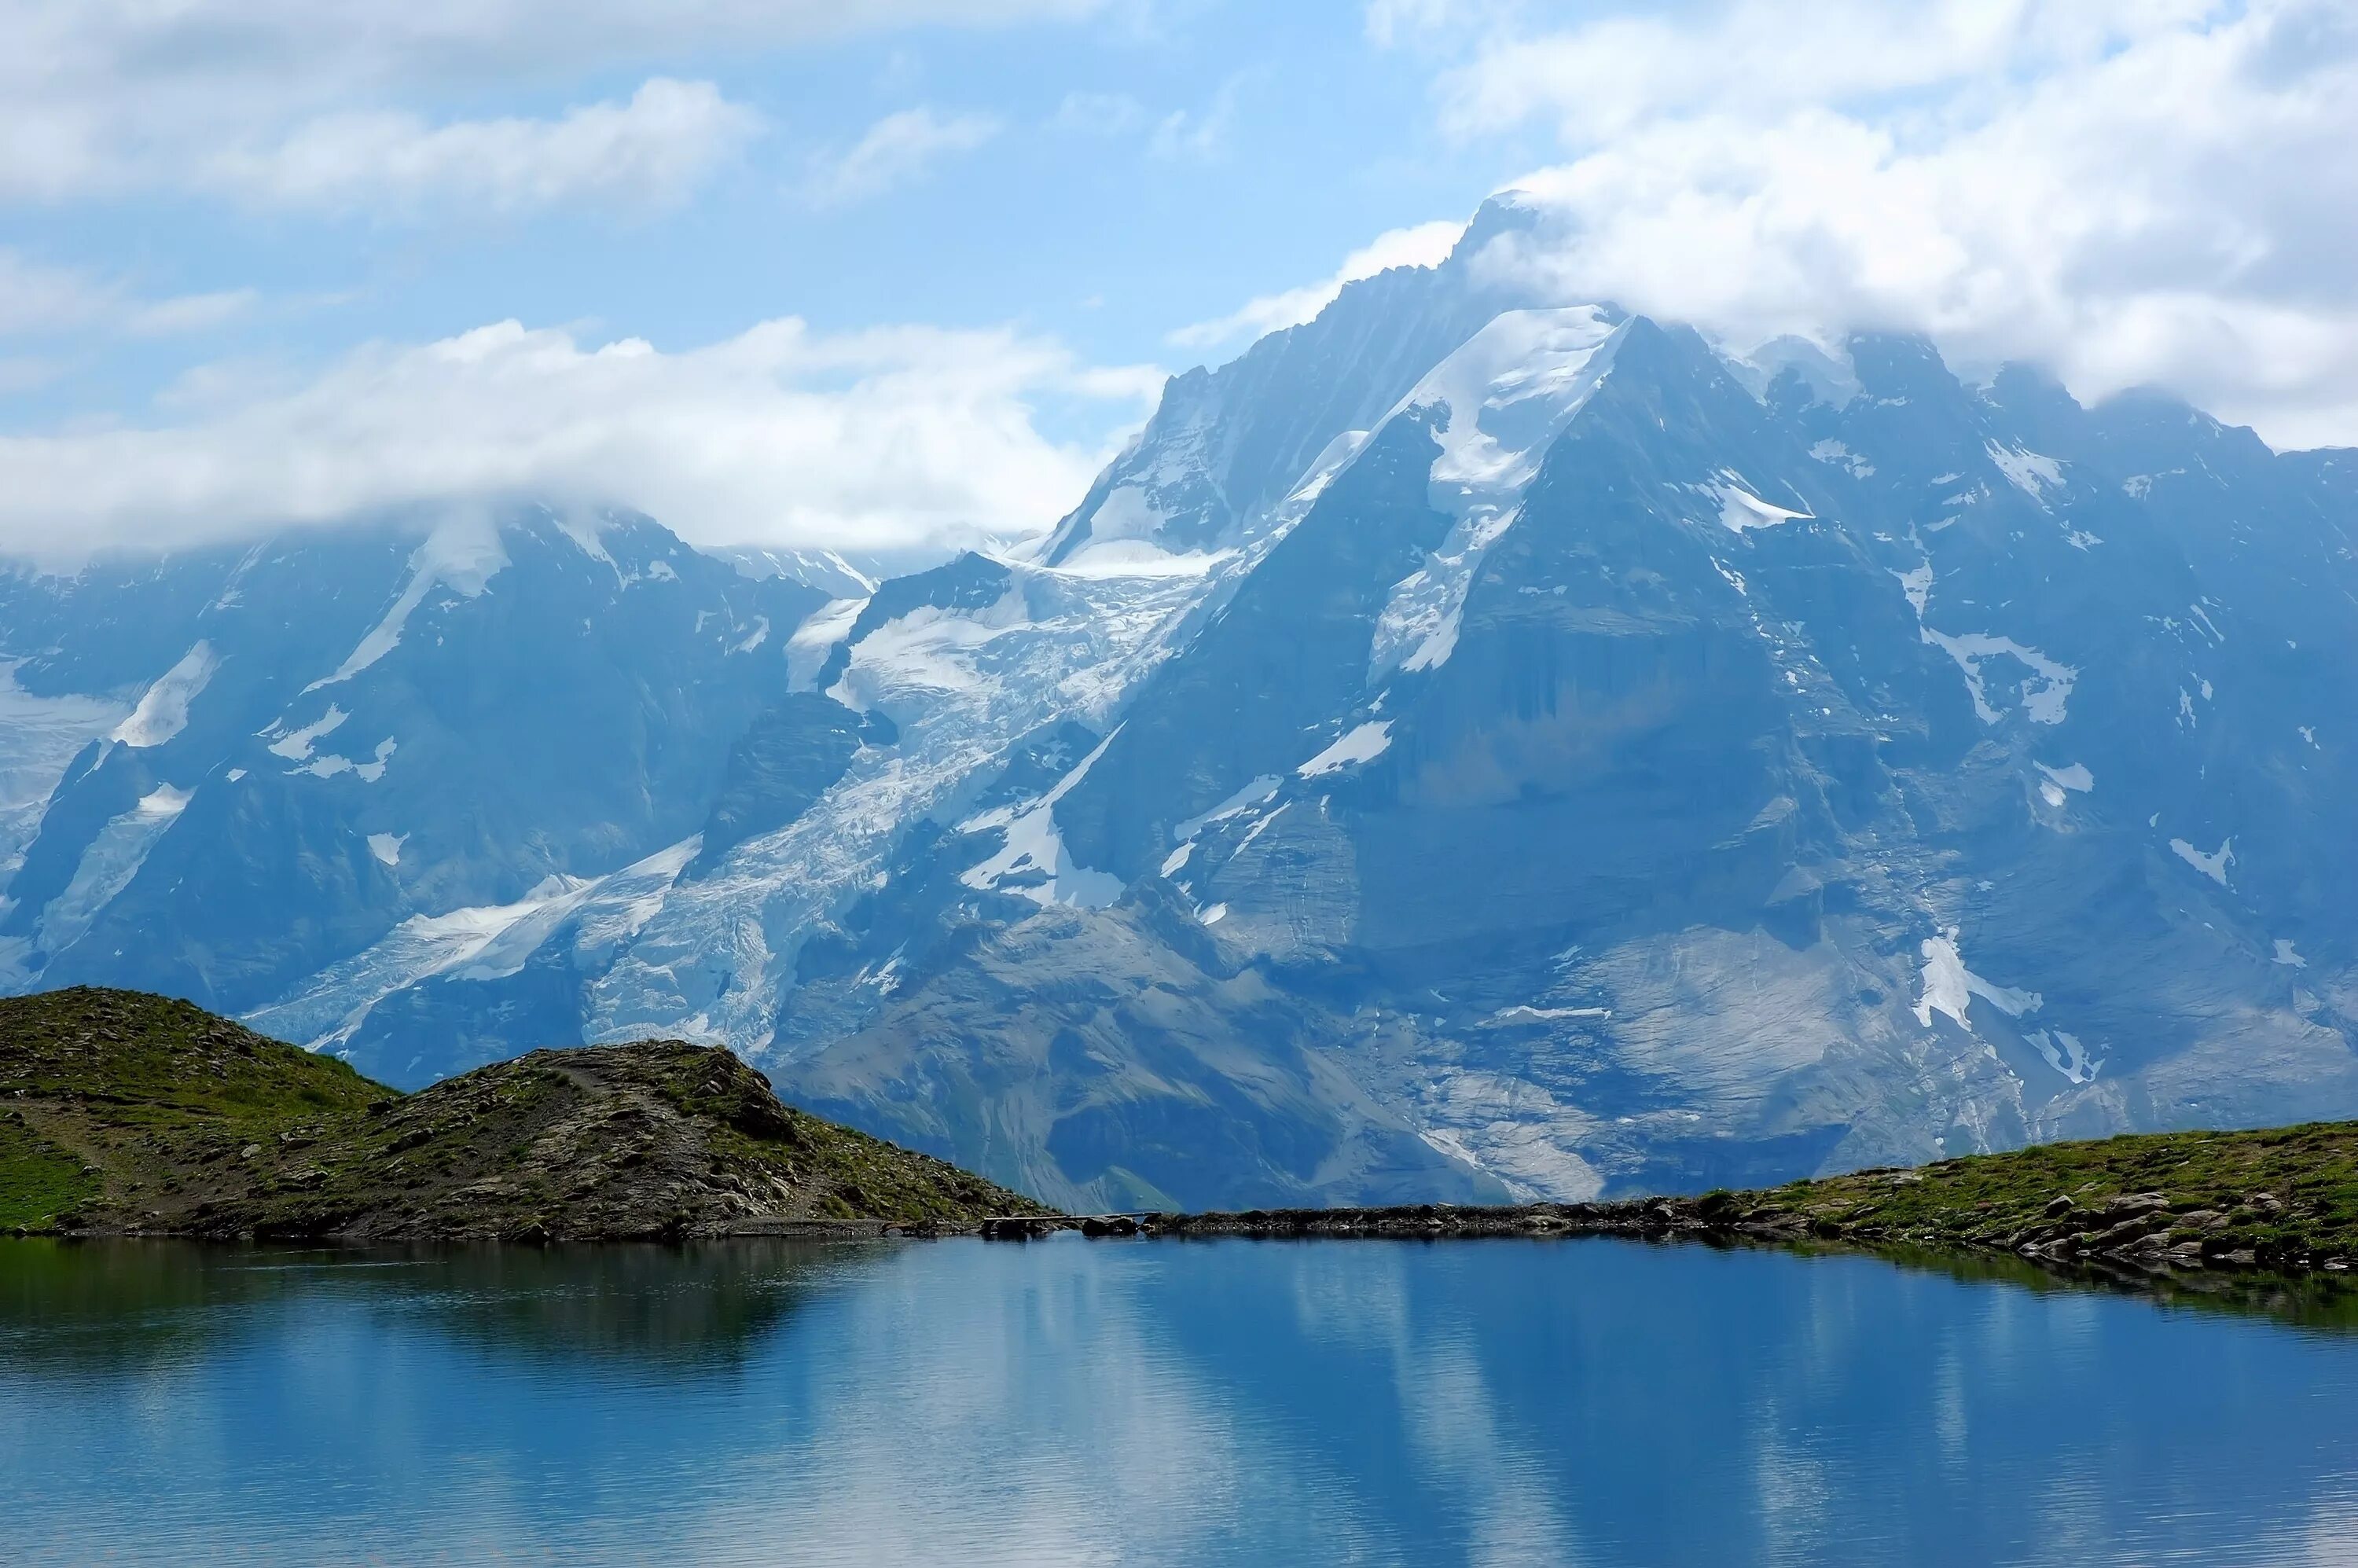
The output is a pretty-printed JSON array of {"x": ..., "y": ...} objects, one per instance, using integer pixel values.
[{"x": 123, "y": 1113}]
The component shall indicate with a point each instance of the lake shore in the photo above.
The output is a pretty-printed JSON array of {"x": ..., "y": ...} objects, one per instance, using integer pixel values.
[{"x": 131, "y": 1115}]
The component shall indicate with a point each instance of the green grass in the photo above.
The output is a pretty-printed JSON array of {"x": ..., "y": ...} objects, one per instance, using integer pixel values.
[
  {"x": 139, "y": 1059},
  {"x": 39, "y": 1181},
  {"x": 2279, "y": 1193}
]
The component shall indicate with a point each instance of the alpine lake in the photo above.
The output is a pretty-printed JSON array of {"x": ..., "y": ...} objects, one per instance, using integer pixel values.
[{"x": 1157, "y": 1402}]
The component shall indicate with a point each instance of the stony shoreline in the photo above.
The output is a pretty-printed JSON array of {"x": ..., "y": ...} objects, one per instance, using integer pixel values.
[
  {"x": 2133, "y": 1230},
  {"x": 2042, "y": 1204}
]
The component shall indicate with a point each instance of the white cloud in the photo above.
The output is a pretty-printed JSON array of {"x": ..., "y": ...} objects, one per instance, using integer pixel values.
[
  {"x": 779, "y": 435},
  {"x": 896, "y": 150},
  {"x": 189, "y": 313},
  {"x": 650, "y": 151},
  {"x": 1422, "y": 245},
  {"x": 1098, "y": 114},
  {"x": 105, "y": 95},
  {"x": 1391, "y": 22},
  {"x": 1186, "y": 134},
  {"x": 38, "y": 299},
  {"x": 23, "y": 372},
  {"x": 2129, "y": 191}
]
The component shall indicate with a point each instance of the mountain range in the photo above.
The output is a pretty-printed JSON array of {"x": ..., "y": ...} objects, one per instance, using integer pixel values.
[{"x": 1473, "y": 745}]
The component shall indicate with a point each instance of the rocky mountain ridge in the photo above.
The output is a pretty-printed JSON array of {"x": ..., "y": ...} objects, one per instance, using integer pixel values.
[{"x": 1475, "y": 745}]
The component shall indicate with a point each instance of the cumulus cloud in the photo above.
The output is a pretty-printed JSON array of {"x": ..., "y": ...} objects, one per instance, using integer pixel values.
[
  {"x": 1421, "y": 244},
  {"x": 896, "y": 150},
  {"x": 868, "y": 440},
  {"x": 2127, "y": 190},
  {"x": 108, "y": 95}
]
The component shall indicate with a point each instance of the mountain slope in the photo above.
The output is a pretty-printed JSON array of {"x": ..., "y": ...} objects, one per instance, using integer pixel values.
[{"x": 1475, "y": 743}]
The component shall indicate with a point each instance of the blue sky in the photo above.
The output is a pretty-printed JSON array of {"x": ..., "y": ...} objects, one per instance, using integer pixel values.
[
  {"x": 851, "y": 274},
  {"x": 1107, "y": 178}
]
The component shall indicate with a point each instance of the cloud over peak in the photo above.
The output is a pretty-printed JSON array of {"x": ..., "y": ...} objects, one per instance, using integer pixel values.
[
  {"x": 778, "y": 435},
  {"x": 2153, "y": 192},
  {"x": 1419, "y": 244}
]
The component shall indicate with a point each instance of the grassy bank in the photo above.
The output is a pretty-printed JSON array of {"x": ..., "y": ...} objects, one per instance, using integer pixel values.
[{"x": 2280, "y": 1198}]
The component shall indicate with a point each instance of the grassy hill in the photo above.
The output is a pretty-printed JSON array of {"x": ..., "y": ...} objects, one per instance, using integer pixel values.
[{"x": 124, "y": 1112}]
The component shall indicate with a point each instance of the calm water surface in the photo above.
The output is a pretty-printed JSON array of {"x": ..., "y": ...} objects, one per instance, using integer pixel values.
[{"x": 1236, "y": 1401}]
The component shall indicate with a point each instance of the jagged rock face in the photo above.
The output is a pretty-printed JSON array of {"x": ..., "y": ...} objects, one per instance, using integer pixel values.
[{"x": 1474, "y": 743}]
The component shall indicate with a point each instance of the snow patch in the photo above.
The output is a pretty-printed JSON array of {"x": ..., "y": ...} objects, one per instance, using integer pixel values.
[
  {"x": 808, "y": 646},
  {"x": 1126, "y": 512},
  {"x": 1035, "y": 850},
  {"x": 915, "y": 658},
  {"x": 1949, "y": 986},
  {"x": 1842, "y": 457},
  {"x": 296, "y": 746},
  {"x": 163, "y": 710},
  {"x": 1740, "y": 510},
  {"x": 107, "y": 866},
  {"x": 2045, "y": 690},
  {"x": 462, "y": 555},
  {"x": 326, "y": 765},
  {"x": 2064, "y": 1054},
  {"x": 2076, "y": 777},
  {"x": 483, "y": 942},
  {"x": 587, "y": 533},
  {"x": 1363, "y": 745},
  {"x": 1917, "y": 584},
  {"x": 1504, "y": 396},
  {"x": 1257, "y": 830},
  {"x": 40, "y": 738},
  {"x": 386, "y": 846},
  {"x": 1254, "y": 791},
  {"x": 2027, "y": 471},
  {"x": 2286, "y": 957},
  {"x": 2212, "y": 865}
]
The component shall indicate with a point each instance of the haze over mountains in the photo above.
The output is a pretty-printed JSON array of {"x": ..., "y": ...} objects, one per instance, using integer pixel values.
[{"x": 1474, "y": 744}]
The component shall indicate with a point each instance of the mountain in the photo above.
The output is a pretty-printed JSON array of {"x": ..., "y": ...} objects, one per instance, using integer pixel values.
[
  {"x": 1473, "y": 745},
  {"x": 257, "y": 761}
]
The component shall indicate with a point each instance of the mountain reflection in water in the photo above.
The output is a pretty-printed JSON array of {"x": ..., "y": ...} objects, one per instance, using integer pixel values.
[{"x": 1139, "y": 1401}]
